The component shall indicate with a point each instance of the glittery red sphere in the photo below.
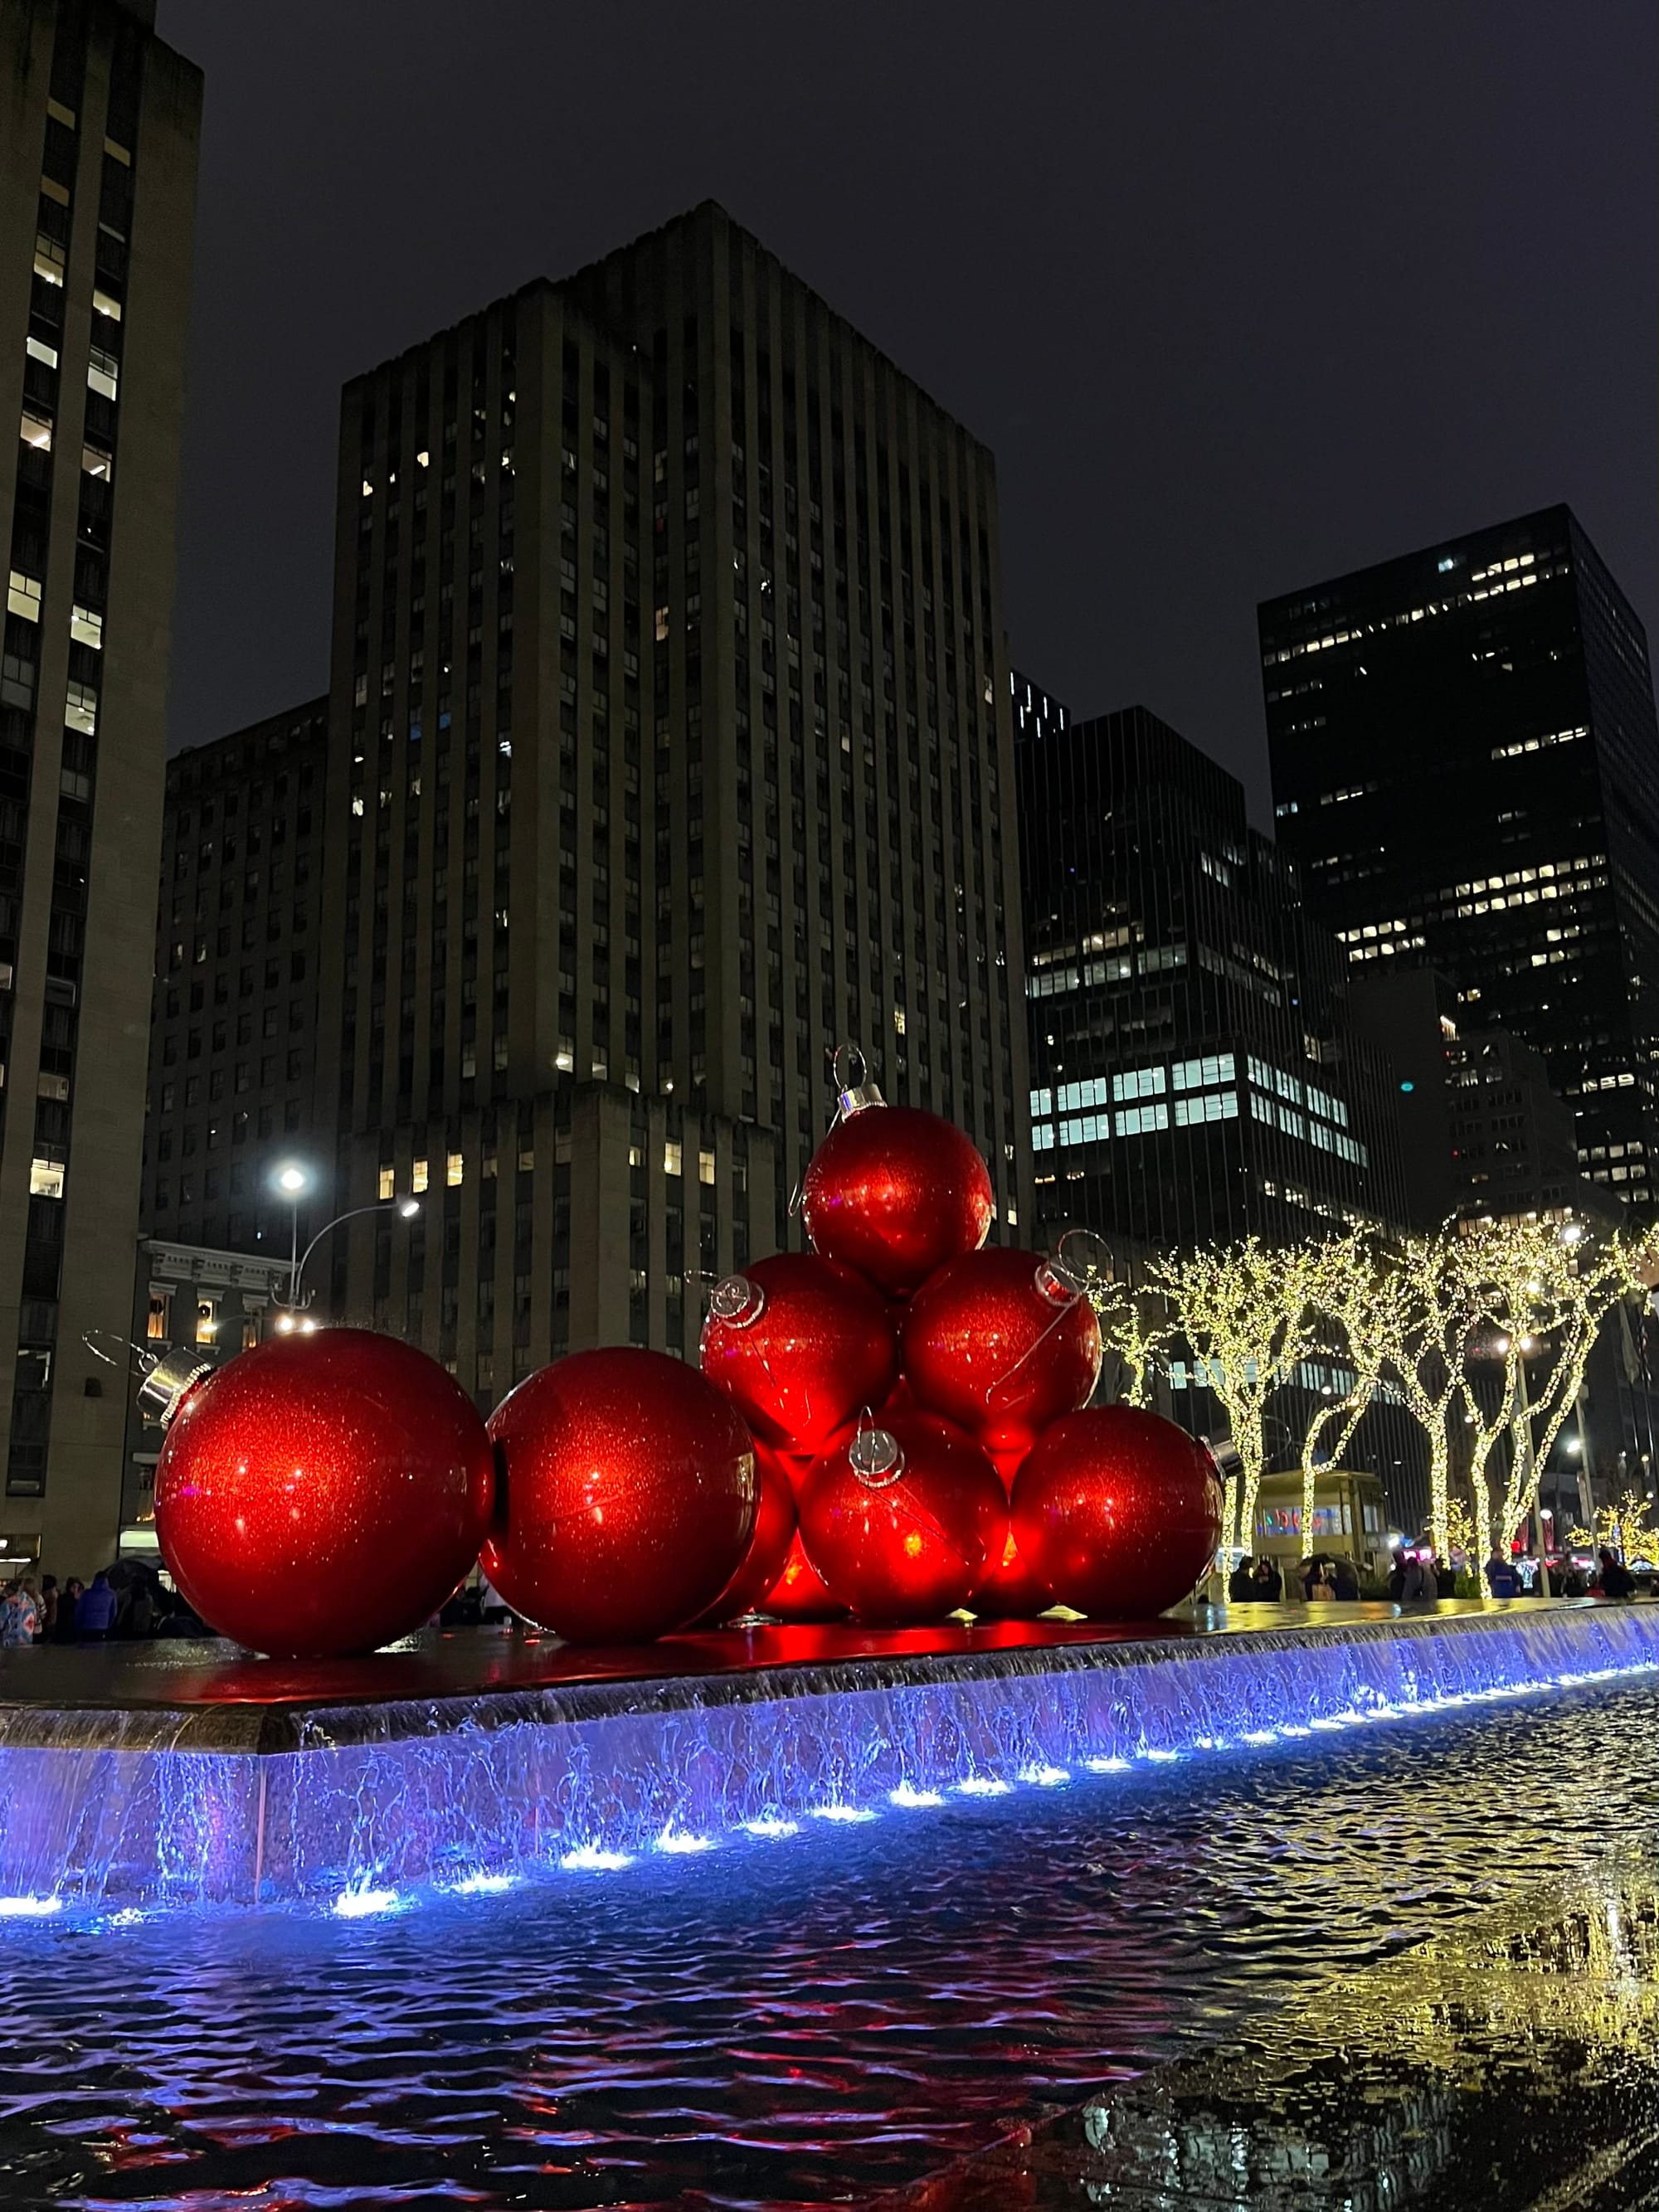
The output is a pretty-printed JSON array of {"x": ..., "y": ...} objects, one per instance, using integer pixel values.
[
  {"x": 323, "y": 1493},
  {"x": 895, "y": 1192},
  {"x": 801, "y": 1346},
  {"x": 1001, "y": 1343},
  {"x": 630, "y": 1496},
  {"x": 1011, "y": 1591},
  {"x": 1118, "y": 1511},
  {"x": 798, "y": 1593},
  {"x": 768, "y": 1547},
  {"x": 906, "y": 1541}
]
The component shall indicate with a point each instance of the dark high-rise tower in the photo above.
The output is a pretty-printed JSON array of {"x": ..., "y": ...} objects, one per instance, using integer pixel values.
[
  {"x": 99, "y": 125},
  {"x": 1465, "y": 771},
  {"x": 669, "y": 744},
  {"x": 238, "y": 953},
  {"x": 1195, "y": 1075}
]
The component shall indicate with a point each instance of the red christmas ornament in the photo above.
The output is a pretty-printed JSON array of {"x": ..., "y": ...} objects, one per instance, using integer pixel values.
[
  {"x": 799, "y": 1346},
  {"x": 798, "y": 1593},
  {"x": 900, "y": 1522},
  {"x": 630, "y": 1496},
  {"x": 768, "y": 1547},
  {"x": 1011, "y": 1591},
  {"x": 1118, "y": 1511},
  {"x": 1002, "y": 1343},
  {"x": 323, "y": 1493},
  {"x": 895, "y": 1192}
]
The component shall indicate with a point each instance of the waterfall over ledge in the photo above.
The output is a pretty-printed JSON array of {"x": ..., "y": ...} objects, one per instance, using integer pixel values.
[{"x": 338, "y": 1805}]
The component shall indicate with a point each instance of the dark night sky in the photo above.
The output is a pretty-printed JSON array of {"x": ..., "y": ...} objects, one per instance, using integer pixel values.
[{"x": 1241, "y": 292}]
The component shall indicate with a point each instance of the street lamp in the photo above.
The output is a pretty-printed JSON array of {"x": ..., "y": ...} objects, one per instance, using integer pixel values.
[
  {"x": 294, "y": 1317},
  {"x": 294, "y": 1180}
]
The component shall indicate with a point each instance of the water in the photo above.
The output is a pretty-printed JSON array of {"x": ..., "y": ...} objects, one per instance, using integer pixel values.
[
  {"x": 786, "y": 2023},
  {"x": 383, "y": 1801}
]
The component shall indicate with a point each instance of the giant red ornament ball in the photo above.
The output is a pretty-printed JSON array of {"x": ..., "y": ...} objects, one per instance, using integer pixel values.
[
  {"x": 1002, "y": 1342},
  {"x": 768, "y": 1547},
  {"x": 800, "y": 1345},
  {"x": 895, "y": 1192},
  {"x": 323, "y": 1493},
  {"x": 800, "y": 1592},
  {"x": 630, "y": 1496},
  {"x": 1117, "y": 1512},
  {"x": 901, "y": 1522}
]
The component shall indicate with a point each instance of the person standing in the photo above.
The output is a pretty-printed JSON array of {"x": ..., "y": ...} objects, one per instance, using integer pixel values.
[
  {"x": 1420, "y": 1586},
  {"x": 95, "y": 1613},
  {"x": 1241, "y": 1583},
  {"x": 1344, "y": 1581},
  {"x": 1614, "y": 1579},
  {"x": 1502, "y": 1580},
  {"x": 68, "y": 1598},
  {"x": 18, "y": 1617},
  {"x": 1269, "y": 1583},
  {"x": 48, "y": 1609}
]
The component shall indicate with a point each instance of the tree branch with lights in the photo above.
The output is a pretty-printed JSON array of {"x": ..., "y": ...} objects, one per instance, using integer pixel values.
[
  {"x": 1248, "y": 1316},
  {"x": 1349, "y": 1290}
]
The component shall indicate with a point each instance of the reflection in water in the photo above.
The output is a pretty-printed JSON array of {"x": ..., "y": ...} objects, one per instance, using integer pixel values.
[{"x": 796, "y": 2018}]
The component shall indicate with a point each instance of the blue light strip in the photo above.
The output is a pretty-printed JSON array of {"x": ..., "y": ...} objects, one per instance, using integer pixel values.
[{"x": 365, "y": 1829}]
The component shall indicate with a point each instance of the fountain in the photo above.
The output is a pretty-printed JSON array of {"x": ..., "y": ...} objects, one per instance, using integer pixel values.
[{"x": 350, "y": 1786}]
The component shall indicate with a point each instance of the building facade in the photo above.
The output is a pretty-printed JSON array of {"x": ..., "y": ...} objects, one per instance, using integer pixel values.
[
  {"x": 670, "y": 747},
  {"x": 1466, "y": 771},
  {"x": 238, "y": 955},
  {"x": 1196, "y": 1076},
  {"x": 98, "y": 151},
  {"x": 219, "y": 1302}
]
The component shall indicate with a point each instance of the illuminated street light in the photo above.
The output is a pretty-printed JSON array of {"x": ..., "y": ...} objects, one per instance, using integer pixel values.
[{"x": 405, "y": 1208}]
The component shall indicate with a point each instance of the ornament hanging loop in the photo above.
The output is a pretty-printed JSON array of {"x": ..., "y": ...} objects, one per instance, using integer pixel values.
[
  {"x": 118, "y": 1351},
  {"x": 875, "y": 1456},
  {"x": 736, "y": 1301},
  {"x": 855, "y": 1088}
]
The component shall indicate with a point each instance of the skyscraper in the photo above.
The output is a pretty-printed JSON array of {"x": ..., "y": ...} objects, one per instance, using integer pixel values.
[
  {"x": 98, "y": 147},
  {"x": 238, "y": 953},
  {"x": 1465, "y": 771},
  {"x": 1195, "y": 1075},
  {"x": 670, "y": 747}
]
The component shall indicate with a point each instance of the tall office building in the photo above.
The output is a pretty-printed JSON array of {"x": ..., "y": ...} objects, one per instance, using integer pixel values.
[
  {"x": 1465, "y": 771},
  {"x": 238, "y": 953},
  {"x": 670, "y": 746},
  {"x": 98, "y": 147},
  {"x": 1196, "y": 1076}
]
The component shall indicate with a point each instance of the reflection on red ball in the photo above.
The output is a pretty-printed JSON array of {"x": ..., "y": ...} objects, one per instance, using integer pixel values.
[
  {"x": 1011, "y": 1591},
  {"x": 895, "y": 1192},
  {"x": 630, "y": 1496},
  {"x": 1002, "y": 1343},
  {"x": 799, "y": 1346},
  {"x": 768, "y": 1547},
  {"x": 1118, "y": 1510},
  {"x": 799, "y": 1593},
  {"x": 323, "y": 1493},
  {"x": 901, "y": 1521}
]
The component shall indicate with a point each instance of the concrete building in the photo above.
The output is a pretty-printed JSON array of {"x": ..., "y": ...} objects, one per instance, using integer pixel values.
[
  {"x": 670, "y": 746},
  {"x": 238, "y": 955},
  {"x": 98, "y": 147},
  {"x": 1196, "y": 1076},
  {"x": 220, "y": 1302},
  {"x": 1466, "y": 772}
]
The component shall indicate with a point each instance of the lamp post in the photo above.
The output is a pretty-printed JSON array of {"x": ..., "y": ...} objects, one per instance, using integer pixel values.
[
  {"x": 405, "y": 1208},
  {"x": 293, "y": 1182}
]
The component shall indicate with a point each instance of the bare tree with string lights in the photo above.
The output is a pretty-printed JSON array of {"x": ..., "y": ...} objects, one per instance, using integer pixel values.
[{"x": 1248, "y": 1314}]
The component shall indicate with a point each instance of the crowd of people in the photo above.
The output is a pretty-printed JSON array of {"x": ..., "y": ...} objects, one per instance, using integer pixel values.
[
  {"x": 126, "y": 1600},
  {"x": 1417, "y": 1577}
]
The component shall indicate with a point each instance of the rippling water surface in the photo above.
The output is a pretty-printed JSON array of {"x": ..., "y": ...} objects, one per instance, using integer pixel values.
[{"x": 791, "y": 2022}]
